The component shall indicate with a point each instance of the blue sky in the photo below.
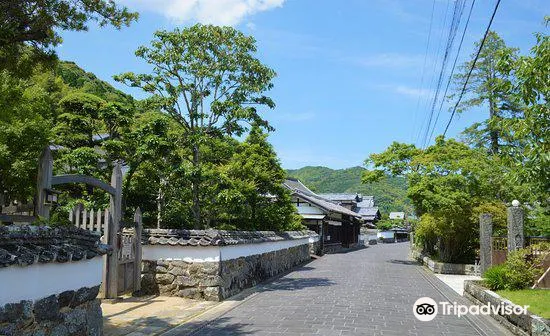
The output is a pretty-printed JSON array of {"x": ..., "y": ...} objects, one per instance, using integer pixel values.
[{"x": 349, "y": 72}]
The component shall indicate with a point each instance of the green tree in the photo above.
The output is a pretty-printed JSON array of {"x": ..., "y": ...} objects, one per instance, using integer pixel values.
[
  {"x": 485, "y": 90},
  {"x": 529, "y": 81},
  {"x": 209, "y": 81},
  {"x": 37, "y": 21},
  {"x": 448, "y": 182},
  {"x": 28, "y": 108},
  {"x": 253, "y": 190}
]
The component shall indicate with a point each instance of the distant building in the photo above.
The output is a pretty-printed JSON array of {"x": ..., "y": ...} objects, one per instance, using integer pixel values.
[
  {"x": 337, "y": 225},
  {"x": 397, "y": 215},
  {"x": 362, "y": 205}
]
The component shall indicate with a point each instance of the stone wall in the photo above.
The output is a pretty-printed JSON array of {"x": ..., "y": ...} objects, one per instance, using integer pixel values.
[
  {"x": 67, "y": 313},
  {"x": 519, "y": 324},
  {"x": 194, "y": 280},
  {"x": 315, "y": 247},
  {"x": 445, "y": 268},
  {"x": 214, "y": 281},
  {"x": 49, "y": 281},
  {"x": 238, "y": 274},
  {"x": 213, "y": 265}
]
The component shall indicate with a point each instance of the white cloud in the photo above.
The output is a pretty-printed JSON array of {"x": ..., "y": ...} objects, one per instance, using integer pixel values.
[
  {"x": 218, "y": 12},
  {"x": 251, "y": 26}
]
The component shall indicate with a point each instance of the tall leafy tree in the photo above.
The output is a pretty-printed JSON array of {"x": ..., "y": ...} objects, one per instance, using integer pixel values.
[
  {"x": 485, "y": 91},
  {"x": 35, "y": 21},
  {"x": 253, "y": 192},
  {"x": 208, "y": 79},
  {"x": 448, "y": 185},
  {"x": 529, "y": 82}
]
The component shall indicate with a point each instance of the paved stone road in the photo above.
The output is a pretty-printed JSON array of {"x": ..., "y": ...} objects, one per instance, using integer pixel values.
[{"x": 364, "y": 292}]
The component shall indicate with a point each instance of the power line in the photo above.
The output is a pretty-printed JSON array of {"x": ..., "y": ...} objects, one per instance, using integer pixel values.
[
  {"x": 423, "y": 71},
  {"x": 472, "y": 67},
  {"x": 427, "y": 119},
  {"x": 454, "y": 66},
  {"x": 453, "y": 27}
]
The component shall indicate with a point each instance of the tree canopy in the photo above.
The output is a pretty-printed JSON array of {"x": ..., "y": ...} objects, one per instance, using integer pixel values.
[{"x": 209, "y": 81}]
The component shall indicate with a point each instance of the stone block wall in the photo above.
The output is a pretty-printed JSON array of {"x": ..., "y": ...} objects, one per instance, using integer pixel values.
[
  {"x": 193, "y": 280},
  {"x": 238, "y": 274},
  {"x": 528, "y": 324},
  {"x": 68, "y": 313},
  {"x": 445, "y": 268},
  {"x": 213, "y": 265},
  {"x": 49, "y": 280},
  {"x": 315, "y": 247}
]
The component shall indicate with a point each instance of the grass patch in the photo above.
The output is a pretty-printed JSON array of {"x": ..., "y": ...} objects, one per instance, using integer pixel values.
[{"x": 538, "y": 300}]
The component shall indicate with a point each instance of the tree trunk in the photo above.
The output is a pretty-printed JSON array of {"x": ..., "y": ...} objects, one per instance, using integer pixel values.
[
  {"x": 493, "y": 133},
  {"x": 160, "y": 202},
  {"x": 196, "y": 188}
]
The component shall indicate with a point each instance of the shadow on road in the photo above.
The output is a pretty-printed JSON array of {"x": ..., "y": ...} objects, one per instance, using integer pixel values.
[
  {"x": 292, "y": 284},
  {"x": 404, "y": 262},
  {"x": 220, "y": 326}
]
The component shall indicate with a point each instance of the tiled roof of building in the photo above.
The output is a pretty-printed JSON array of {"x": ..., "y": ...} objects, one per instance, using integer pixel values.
[
  {"x": 371, "y": 211},
  {"x": 27, "y": 245},
  {"x": 217, "y": 237},
  {"x": 295, "y": 184},
  {"x": 325, "y": 204}
]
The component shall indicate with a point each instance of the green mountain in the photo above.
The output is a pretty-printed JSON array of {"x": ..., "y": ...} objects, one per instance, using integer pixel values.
[
  {"x": 389, "y": 194},
  {"x": 77, "y": 78}
]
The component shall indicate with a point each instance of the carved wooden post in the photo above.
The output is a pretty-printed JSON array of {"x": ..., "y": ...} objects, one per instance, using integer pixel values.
[
  {"x": 44, "y": 182},
  {"x": 138, "y": 221},
  {"x": 485, "y": 244},
  {"x": 111, "y": 232}
]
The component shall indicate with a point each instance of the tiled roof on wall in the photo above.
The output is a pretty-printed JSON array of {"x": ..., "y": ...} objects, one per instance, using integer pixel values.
[
  {"x": 217, "y": 237},
  {"x": 27, "y": 245}
]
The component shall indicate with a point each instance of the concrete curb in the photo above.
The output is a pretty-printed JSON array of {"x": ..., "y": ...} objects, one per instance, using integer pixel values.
[{"x": 529, "y": 324}]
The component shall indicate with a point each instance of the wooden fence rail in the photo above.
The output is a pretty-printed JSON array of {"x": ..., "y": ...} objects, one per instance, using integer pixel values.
[{"x": 92, "y": 220}]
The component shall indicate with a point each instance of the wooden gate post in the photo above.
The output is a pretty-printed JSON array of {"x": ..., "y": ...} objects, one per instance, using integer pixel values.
[
  {"x": 138, "y": 221},
  {"x": 111, "y": 232},
  {"x": 43, "y": 183}
]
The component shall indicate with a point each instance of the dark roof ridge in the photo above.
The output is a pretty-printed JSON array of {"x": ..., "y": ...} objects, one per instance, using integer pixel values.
[
  {"x": 25, "y": 245},
  {"x": 213, "y": 237}
]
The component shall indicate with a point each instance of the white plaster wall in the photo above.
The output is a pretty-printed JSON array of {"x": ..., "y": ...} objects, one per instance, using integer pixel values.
[
  {"x": 237, "y": 251},
  {"x": 41, "y": 280},
  {"x": 386, "y": 234},
  {"x": 185, "y": 253},
  {"x": 217, "y": 253},
  {"x": 313, "y": 239},
  {"x": 307, "y": 209}
]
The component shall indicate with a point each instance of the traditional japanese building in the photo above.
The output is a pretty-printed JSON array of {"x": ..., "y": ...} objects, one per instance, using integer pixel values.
[
  {"x": 362, "y": 205},
  {"x": 337, "y": 225}
]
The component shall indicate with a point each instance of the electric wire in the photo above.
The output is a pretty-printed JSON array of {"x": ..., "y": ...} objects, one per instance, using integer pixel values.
[
  {"x": 472, "y": 68},
  {"x": 453, "y": 67}
]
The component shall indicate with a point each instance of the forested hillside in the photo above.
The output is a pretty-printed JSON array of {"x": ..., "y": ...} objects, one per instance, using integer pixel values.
[
  {"x": 76, "y": 78},
  {"x": 390, "y": 194}
]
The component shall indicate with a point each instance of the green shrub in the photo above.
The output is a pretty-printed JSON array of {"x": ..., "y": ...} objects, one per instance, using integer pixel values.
[
  {"x": 522, "y": 269},
  {"x": 495, "y": 277}
]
